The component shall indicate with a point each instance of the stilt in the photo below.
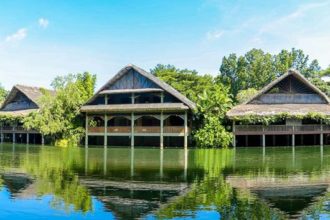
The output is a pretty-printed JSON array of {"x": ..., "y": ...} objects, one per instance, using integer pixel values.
[
  {"x": 161, "y": 130},
  {"x": 14, "y": 135},
  {"x": 132, "y": 130},
  {"x": 105, "y": 131},
  {"x": 105, "y": 157},
  {"x": 246, "y": 140},
  {"x": 185, "y": 164},
  {"x": 321, "y": 135},
  {"x": 161, "y": 164},
  {"x": 185, "y": 130},
  {"x": 273, "y": 138},
  {"x": 86, "y": 161},
  {"x": 132, "y": 163},
  {"x": 234, "y": 136},
  {"x": 293, "y": 140},
  {"x": 86, "y": 132},
  {"x": 42, "y": 140},
  {"x": 263, "y": 141},
  {"x": 27, "y": 138}
]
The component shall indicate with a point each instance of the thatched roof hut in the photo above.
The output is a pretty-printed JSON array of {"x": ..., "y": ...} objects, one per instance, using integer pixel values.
[{"x": 291, "y": 94}]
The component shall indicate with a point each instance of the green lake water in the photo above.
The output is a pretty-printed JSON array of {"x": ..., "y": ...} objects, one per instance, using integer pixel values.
[{"x": 120, "y": 183}]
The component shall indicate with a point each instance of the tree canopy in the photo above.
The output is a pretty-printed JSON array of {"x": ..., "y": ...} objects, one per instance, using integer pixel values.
[
  {"x": 59, "y": 114},
  {"x": 256, "y": 68},
  {"x": 3, "y": 94}
]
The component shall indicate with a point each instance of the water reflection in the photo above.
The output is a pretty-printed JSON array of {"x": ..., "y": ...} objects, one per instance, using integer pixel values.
[{"x": 251, "y": 183}]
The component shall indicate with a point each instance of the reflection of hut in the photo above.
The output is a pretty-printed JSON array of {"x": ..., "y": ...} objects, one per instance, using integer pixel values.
[
  {"x": 135, "y": 108},
  {"x": 133, "y": 199},
  {"x": 292, "y": 195},
  {"x": 16, "y": 183},
  {"x": 290, "y": 103},
  {"x": 21, "y": 101}
]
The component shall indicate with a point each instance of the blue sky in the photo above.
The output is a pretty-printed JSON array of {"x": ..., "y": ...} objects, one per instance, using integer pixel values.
[{"x": 42, "y": 39}]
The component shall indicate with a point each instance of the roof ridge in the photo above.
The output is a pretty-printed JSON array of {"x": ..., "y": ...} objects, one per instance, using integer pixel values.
[
  {"x": 290, "y": 71},
  {"x": 151, "y": 77}
]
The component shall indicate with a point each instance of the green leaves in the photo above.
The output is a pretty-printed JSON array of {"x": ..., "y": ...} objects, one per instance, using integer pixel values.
[
  {"x": 256, "y": 68},
  {"x": 59, "y": 114}
]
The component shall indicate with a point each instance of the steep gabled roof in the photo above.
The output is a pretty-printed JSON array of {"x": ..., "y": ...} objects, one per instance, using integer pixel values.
[
  {"x": 267, "y": 109},
  {"x": 32, "y": 93},
  {"x": 291, "y": 72},
  {"x": 152, "y": 78}
]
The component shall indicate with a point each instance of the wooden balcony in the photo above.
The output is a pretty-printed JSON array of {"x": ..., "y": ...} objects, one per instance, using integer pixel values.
[
  {"x": 18, "y": 129},
  {"x": 138, "y": 129},
  {"x": 280, "y": 129}
]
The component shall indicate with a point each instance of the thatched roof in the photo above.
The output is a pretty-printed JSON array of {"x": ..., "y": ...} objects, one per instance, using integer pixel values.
[
  {"x": 293, "y": 109},
  {"x": 149, "y": 107},
  {"x": 149, "y": 76},
  {"x": 277, "y": 109},
  {"x": 32, "y": 93},
  {"x": 17, "y": 113},
  {"x": 299, "y": 76}
]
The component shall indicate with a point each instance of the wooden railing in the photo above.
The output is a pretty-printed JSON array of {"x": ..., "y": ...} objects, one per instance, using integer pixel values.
[
  {"x": 138, "y": 129},
  {"x": 119, "y": 129},
  {"x": 147, "y": 129},
  {"x": 174, "y": 129},
  {"x": 17, "y": 129},
  {"x": 281, "y": 129}
]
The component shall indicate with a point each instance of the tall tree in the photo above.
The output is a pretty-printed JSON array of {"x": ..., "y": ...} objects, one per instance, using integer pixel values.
[
  {"x": 255, "y": 69},
  {"x": 3, "y": 94},
  {"x": 59, "y": 114}
]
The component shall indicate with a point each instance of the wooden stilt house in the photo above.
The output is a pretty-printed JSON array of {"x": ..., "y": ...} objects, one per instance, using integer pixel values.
[
  {"x": 21, "y": 101},
  {"x": 135, "y": 108},
  {"x": 288, "y": 111}
]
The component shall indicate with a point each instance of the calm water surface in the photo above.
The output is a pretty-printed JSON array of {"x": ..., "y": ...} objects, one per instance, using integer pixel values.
[{"x": 53, "y": 183}]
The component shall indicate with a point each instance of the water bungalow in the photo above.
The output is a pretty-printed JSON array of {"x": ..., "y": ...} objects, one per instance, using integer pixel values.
[
  {"x": 135, "y": 108},
  {"x": 21, "y": 101},
  {"x": 294, "y": 108}
]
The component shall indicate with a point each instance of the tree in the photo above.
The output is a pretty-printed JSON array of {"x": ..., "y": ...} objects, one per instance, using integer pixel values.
[
  {"x": 255, "y": 69},
  {"x": 188, "y": 82},
  {"x": 212, "y": 107},
  {"x": 296, "y": 59},
  {"x": 59, "y": 114},
  {"x": 245, "y": 95},
  {"x": 3, "y": 94}
]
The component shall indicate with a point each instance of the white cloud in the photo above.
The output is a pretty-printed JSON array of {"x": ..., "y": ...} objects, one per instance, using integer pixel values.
[
  {"x": 17, "y": 36},
  {"x": 213, "y": 35},
  {"x": 43, "y": 22}
]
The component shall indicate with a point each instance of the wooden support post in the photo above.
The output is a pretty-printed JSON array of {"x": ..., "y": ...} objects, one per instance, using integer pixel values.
[
  {"x": 86, "y": 131},
  {"x": 42, "y": 140},
  {"x": 161, "y": 131},
  {"x": 105, "y": 130},
  {"x": 263, "y": 141},
  {"x": 132, "y": 130},
  {"x": 14, "y": 135},
  {"x": 234, "y": 135},
  {"x": 293, "y": 140},
  {"x": 185, "y": 130},
  {"x": 27, "y": 138},
  {"x": 321, "y": 135}
]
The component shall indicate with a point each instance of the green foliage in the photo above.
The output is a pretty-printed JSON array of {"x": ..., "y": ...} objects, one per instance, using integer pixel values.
[
  {"x": 59, "y": 114},
  {"x": 188, "y": 82},
  {"x": 3, "y": 94},
  {"x": 256, "y": 68},
  {"x": 245, "y": 95},
  {"x": 212, "y": 107},
  {"x": 268, "y": 119}
]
